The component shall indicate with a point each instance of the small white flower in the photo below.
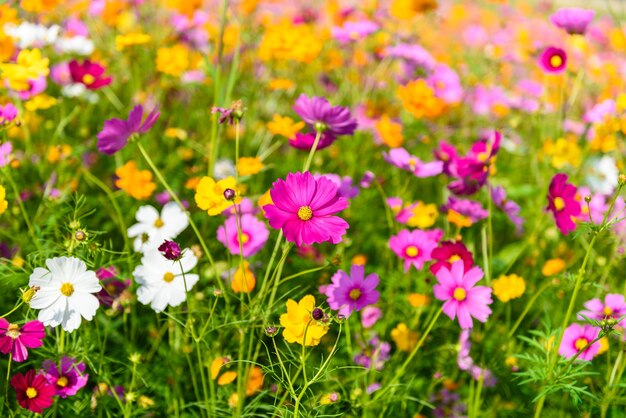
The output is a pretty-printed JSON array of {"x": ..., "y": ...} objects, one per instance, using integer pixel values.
[
  {"x": 153, "y": 228},
  {"x": 65, "y": 292},
  {"x": 79, "y": 45},
  {"x": 602, "y": 175},
  {"x": 31, "y": 34},
  {"x": 223, "y": 168},
  {"x": 160, "y": 280}
]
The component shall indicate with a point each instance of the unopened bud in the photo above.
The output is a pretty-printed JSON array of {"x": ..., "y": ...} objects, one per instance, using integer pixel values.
[
  {"x": 317, "y": 314},
  {"x": 229, "y": 194},
  {"x": 271, "y": 331},
  {"x": 588, "y": 198},
  {"x": 80, "y": 235}
]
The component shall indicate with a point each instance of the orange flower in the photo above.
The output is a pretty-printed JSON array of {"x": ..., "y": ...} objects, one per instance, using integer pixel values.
[
  {"x": 552, "y": 267},
  {"x": 255, "y": 381},
  {"x": 243, "y": 279},
  {"x": 137, "y": 183},
  {"x": 419, "y": 99},
  {"x": 459, "y": 220},
  {"x": 390, "y": 132},
  {"x": 248, "y": 166}
]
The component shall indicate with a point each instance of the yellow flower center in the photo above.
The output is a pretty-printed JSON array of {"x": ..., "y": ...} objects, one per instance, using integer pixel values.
[
  {"x": 482, "y": 157},
  {"x": 412, "y": 251},
  {"x": 412, "y": 163},
  {"x": 13, "y": 331},
  {"x": 31, "y": 393},
  {"x": 158, "y": 223},
  {"x": 607, "y": 311},
  {"x": 459, "y": 294},
  {"x": 62, "y": 381},
  {"x": 556, "y": 61},
  {"x": 168, "y": 277},
  {"x": 305, "y": 213},
  {"x": 88, "y": 79},
  {"x": 67, "y": 289},
  {"x": 581, "y": 343},
  {"x": 245, "y": 238},
  {"x": 355, "y": 294},
  {"x": 453, "y": 258},
  {"x": 559, "y": 203}
]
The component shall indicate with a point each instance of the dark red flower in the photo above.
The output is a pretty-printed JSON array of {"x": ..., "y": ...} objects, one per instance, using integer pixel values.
[
  {"x": 447, "y": 253},
  {"x": 33, "y": 391}
]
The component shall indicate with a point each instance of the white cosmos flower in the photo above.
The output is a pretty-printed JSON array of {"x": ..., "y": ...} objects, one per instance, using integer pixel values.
[
  {"x": 153, "y": 228},
  {"x": 65, "y": 292},
  {"x": 75, "y": 45},
  {"x": 30, "y": 35},
  {"x": 602, "y": 175},
  {"x": 161, "y": 280}
]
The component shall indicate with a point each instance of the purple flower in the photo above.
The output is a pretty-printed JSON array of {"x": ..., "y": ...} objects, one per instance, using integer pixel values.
[
  {"x": 354, "y": 31},
  {"x": 67, "y": 378},
  {"x": 344, "y": 185},
  {"x": 349, "y": 293},
  {"x": 321, "y": 116},
  {"x": 305, "y": 141},
  {"x": 229, "y": 114},
  {"x": 446, "y": 83},
  {"x": 113, "y": 289},
  {"x": 367, "y": 179},
  {"x": 510, "y": 208},
  {"x": 401, "y": 158},
  {"x": 553, "y": 60},
  {"x": 370, "y": 315},
  {"x": 468, "y": 208},
  {"x": 574, "y": 20},
  {"x": 466, "y": 363},
  {"x": 170, "y": 250},
  {"x": 373, "y": 354},
  {"x": 116, "y": 132}
]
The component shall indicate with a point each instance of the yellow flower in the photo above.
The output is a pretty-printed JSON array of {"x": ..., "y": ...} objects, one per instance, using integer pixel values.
[
  {"x": 248, "y": 166},
  {"x": 7, "y": 48},
  {"x": 131, "y": 39},
  {"x": 39, "y": 6},
  {"x": 511, "y": 361},
  {"x": 390, "y": 132},
  {"x": 29, "y": 65},
  {"x": 3, "y": 200},
  {"x": 173, "y": 61},
  {"x": 509, "y": 287},
  {"x": 137, "y": 183},
  {"x": 418, "y": 98},
  {"x": 604, "y": 345},
  {"x": 404, "y": 338},
  {"x": 255, "y": 381},
  {"x": 284, "y": 125},
  {"x": 243, "y": 279},
  {"x": 407, "y": 9},
  {"x": 459, "y": 220},
  {"x": 226, "y": 378},
  {"x": 177, "y": 133},
  {"x": 417, "y": 300},
  {"x": 210, "y": 194},
  {"x": 41, "y": 101},
  {"x": 552, "y": 267},
  {"x": 424, "y": 215},
  {"x": 286, "y": 41},
  {"x": 216, "y": 365},
  {"x": 299, "y": 325},
  {"x": 265, "y": 199},
  {"x": 359, "y": 260},
  {"x": 563, "y": 151},
  {"x": 281, "y": 84},
  {"x": 56, "y": 152},
  {"x": 145, "y": 402}
]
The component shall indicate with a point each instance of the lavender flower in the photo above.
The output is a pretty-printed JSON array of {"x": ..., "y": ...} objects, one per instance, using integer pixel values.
[
  {"x": 116, "y": 132},
  {"x": 353, "y": 292},
  {"x": 322, "y": 117}
]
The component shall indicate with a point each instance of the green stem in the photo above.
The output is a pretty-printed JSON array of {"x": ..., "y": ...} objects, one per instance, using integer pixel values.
[
  {"x": 307, "y": 165},
  {"x": 527, "y": 308}
]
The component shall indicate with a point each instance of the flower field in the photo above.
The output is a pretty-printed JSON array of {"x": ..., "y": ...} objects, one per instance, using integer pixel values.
[{"x": 263, "y": 208}]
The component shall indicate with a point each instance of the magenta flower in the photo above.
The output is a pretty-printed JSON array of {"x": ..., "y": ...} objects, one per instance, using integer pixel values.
[
  {"x": 113, "y": 292},
  {"x": 472, "y": 171},
  {"x": 447, "y": 253},
  {"x": 321, "y": 116},
  {"x": 415, "y": 247},
  {"x": 116, "y": 132},
  {"x": 576, "y": 337},
  {"x": 613, "y": 306},
  {"x": 553, "y": 60},
  {"x": 170, "y": 250},
  {"x": 17, "y": 340},
  {"x": 349, "y": 293},
  {"x": 32, "y": 390},
  {"x": 304, "y": 207},
  {"x": 509, "y": 207},
  {"x": 456, "y": 287},
  {"x": 574, "y": 20},
  {"x": 401, "y": 158},
  {"x": 448, "y": 155},
  {"x": 305, "y": 141},
  {"x": 370, "y": 315},
  {"x": 562, "y": 203},
  {"x": 89, "y": 73},
  {"x": 8, "y": 113},
  {"x": 68, "y": 378},
  {"x": 254, "y": 235}
]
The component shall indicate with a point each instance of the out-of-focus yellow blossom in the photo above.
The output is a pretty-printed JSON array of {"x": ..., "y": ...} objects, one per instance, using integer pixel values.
[
  {"x": 3, "y": 200},
  {"x": 226, "y": 378},
  {"x": 177, "y": 133},
  {"x": 39, "y": 6},
  {"x": 281, "y": 84},
  {"x": 210, "y": 194},
  {"x": 40, "y": 102},
  {"x": 404, "y": 338},
  {"x": 192, "y": 183},
  {"x": 248, "y": 166},
  {"x": 286, "y": 41},
  {"x": 418, "y": 300},
  {"x": 186, "y": 7},
  {"x": 419, "y": 99},
  {"x": 255, "y": 381},
  {"x": 247, "y": 7},
  {"x": 617, "y": 39},
  {"x": 605, "y": 139},
  {"x": 131, "y": 39},
  {"x": 563, "y": 151},
  {"x": 299, "y": 325},
  {"x": 7, "y": 48},
  {"x": 390, "y": 132},
  {"x": 145, "y": 402},
  {"x": 56, "y": 152},
  {"x": 113, "y": 11},
  {"x": 243, "y": 279},
  {"x": 459, "y": 220},
  {"x": 174, "y": 60},
  {"x": 424, "y": 215},
  {"x": 7, "y": 15},
  {"x": 28, "y": 66},
  {"x": 329, "y": 398},
  {"x": 265, "y": 199},
  {"x": 216, "y": 365},
  {"x": 552, "y": 267},
  {"x": 137, "y": 183},
  {"x": 509, "y": 287},
  {"x": 408, "y": 9},
  {"x": 604, "y": 345},
  {"x": 18, "y": 261},
  {"x": 284, "y": 125},
  {"x": 511, "y": 361},
  {"x": 359, "y": 260}
]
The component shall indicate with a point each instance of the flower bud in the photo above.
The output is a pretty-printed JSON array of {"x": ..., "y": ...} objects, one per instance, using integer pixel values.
[
  {"x": 317, "y": 314},
  {"x": 170, "y": 250},
  {"x": 271, "y": 331},
  {"x": 229, "y": 194}
]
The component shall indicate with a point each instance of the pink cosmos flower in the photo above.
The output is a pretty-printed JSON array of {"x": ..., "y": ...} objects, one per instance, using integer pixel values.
[
  {"x": 553, "y": 60},
  {"x": 89, "y": 73},
  {"x": 613, "y": 306},
  {"x": 415, "y": 247},
  {"x": 446, "y": 83},
  {"x": 353, "y": 31},
  {"x": 349, "y": 293},
  {"x": 8, "y": 113},
  {"x": 401, "y": 158},
  {"x": 116, "y": 132},
  {"x": 17, "y": 340},
  {"x": 68, "y": 377},
  {"x": 5, "y": 153},
  {"x": 574, "y": 20},
  {"x": 576, "y": 337},
  {"x": 254, "y": 235},
  {"x": 370, "y": 315},
  {"x": 305, "y": 141},
  {"x": 456, "y": 287},
  {"x": 472, "y": 171},
  {"x": 304, "y": 207},
  {"x": 562, "y": 203}
]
